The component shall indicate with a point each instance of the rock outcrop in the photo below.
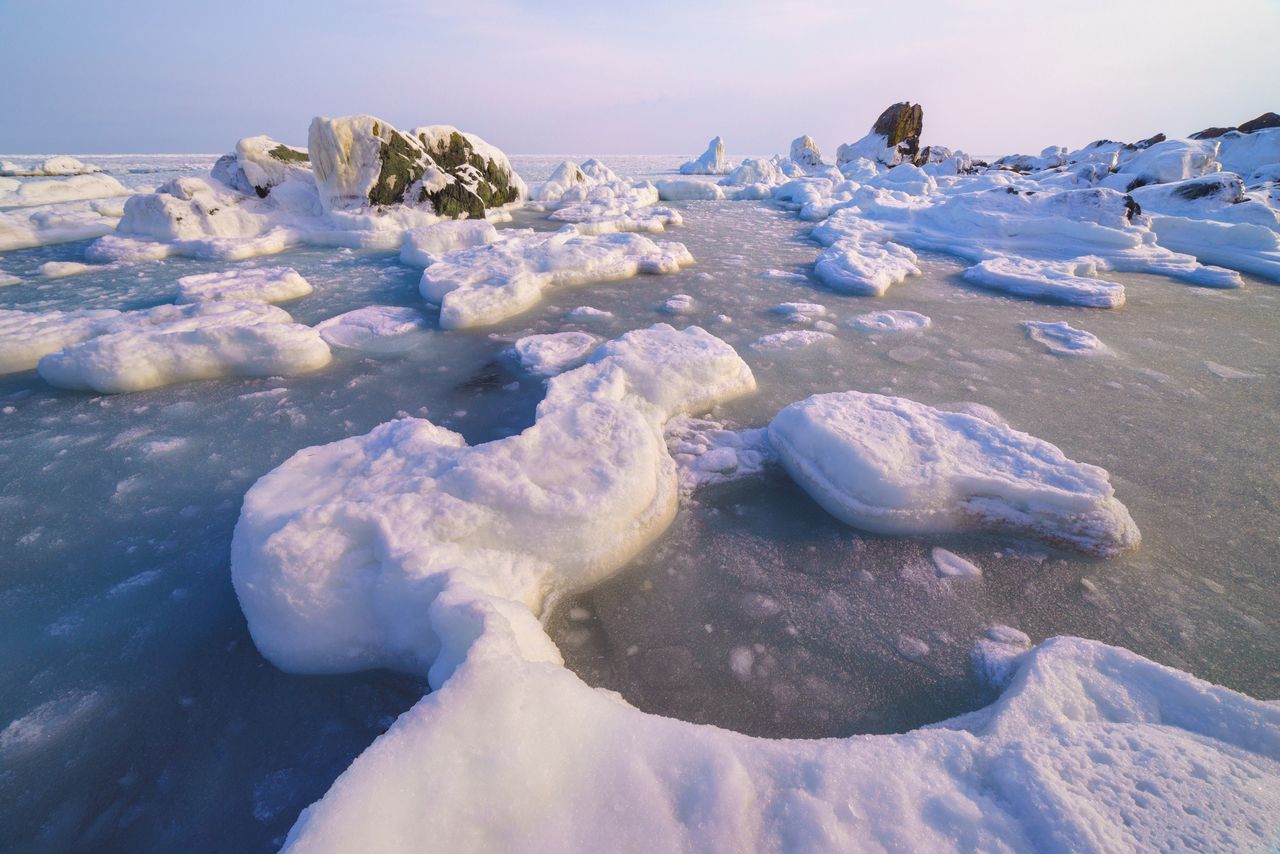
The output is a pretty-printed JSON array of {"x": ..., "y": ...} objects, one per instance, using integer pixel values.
[
  {"x": 362, "y": 161},
  {"x": 894, "y": 138},
  {"x": 1262, "y": 122},
  {"x": 260, "y": 163}
]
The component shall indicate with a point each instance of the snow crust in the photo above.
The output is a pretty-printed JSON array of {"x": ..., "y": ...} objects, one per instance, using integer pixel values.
[
  {"x": 891, "y": 465},
  {"x": 482, "y": 285}
]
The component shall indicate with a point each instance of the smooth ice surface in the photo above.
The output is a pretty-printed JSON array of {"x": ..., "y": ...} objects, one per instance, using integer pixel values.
[
  {"x": 376, "y": 328},
  {"x": 891, "y": 465}
]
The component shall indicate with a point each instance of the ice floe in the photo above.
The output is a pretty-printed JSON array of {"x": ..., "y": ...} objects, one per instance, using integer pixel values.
[
  {"x": 708, "y": 452},
  {"x": 792, "y": 339},
  {"x": 1062, "y": 339},
  {"x": 422, "y": 245},
  {"x": 892, "y": 465},
  {"x": 482, "y": 285},
  {"x": 891, "y": 320},
  {"x": 555, "y": 352},
  {"x": 48, "y": 191},
  {"x": 950, "y": 564},
  {"x": 376, "y": 328},
  {"x": 800, "y": 312},
  {"x": 60, "y": 165},
  {"x": 1075, "y": 281},
  {"x": 263, "y": 284}
]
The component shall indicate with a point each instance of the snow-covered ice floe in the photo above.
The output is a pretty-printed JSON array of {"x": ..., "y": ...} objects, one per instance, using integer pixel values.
[
  {"x": 374, "y": 328},
  {"x": 340, "y": 573},
  {"x": 891, "y": 320},
  {"x": 59, "y": 165},
  {"x": 1075, "y": 281},
  {"x": 800, "y": 312},
  {"x": 1062, "y": 339},
  {"x": 48, "y": 191},
  {"x": 894, "y": 466},
  {"x": 263, "y": 284},
  {"x": 555, "y": 352},
  {"x": 482, "y": 285},
  {"x": 792, "y": 339},
  {"x": 111, "y": 351}
]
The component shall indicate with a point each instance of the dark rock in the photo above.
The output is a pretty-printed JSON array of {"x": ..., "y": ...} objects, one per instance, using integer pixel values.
[
  {"x": 1131, "y": 208},
  {"x": 1211, "y": 133},
  {"x": 1262, "y": 122},
  {"x": 902, "y": 125},
  {"x": 1148, "y": 142}
]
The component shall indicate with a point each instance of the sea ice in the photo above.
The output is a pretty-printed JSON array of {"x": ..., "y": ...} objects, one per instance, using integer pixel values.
[
  {"x": 47, "y": 191},
  {"x": 1062, "y": 339},
  {"x": 891, "y": 465},
  {"x": 951, "y": 564},
  {"x": 792, "y": 339},
  {"x": 688, "y": 189},
  {"x": 711, "y": 162},
  {"x": 264, "y": 284},
  {"x": 890, "y": 320},
  {"x": 422, "y": 245},
  {"x": 800, "y": 312},
  {"x": 708, "y": 452},
  {"x": 377, "y": 328},
  {"x": 482, "y": 285},
  {"x": 60, "y": 165},
  {"x": 554, "y": 353},
  {"x": 1072, "y": 281}
]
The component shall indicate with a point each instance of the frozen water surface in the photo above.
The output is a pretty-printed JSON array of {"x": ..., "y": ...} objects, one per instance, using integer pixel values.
[{"x": 130, "y": 670}]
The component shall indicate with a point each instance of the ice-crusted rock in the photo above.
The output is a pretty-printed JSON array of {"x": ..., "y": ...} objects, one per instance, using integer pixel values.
[
  {"x": 361, "y": 161},
  {"x": 1262, "y": 122},
  {"x": 711, "y": 162},
  {"x": 264, "y": 284},
  {"x": 804, "y": 152},
  {"x": 482, "y": 285},
  {"x": 555, "y": 352},
  {"x": 113, "y": 352},
  {"x": 894, "y": 138},
  {"x": 1063, "y": 339},
  {"x": 891, "y": 465},
  {"x": 369, "y": 569},
  {"x": 260, "y": 163},
  {"x": 374, "y": 328}
]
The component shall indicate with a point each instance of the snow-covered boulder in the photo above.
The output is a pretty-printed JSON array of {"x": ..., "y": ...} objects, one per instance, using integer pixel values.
[
  {"x": 894, "y": 138},
  {"x": 894, "y": 466},
  {"x": 804, "y": 152},
  {"x": 1219, "y": 196},
  {"x": 711, "y": 162},
  {"x": 260, "y": 163},
  {"x": 1170, "y": 160},
  {"x": 361, "y": 161}
]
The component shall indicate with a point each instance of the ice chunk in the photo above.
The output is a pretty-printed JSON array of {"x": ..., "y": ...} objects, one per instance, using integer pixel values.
[
  {"x": 678, "y": 304},
  {"x": 22, "y": 228},
  {"x": 859, "y": 266},
  {"x": 687, "y": 189},
  {"x": 800, "y": 312},
  {"x": 555, "y": 353},
  {"x": 172, "y": 344},
  {"x": 708, "y": 452},
  {"x": 27, "y": 336},
  {"x": 482, "y": 285},
  {"x": 891, "y": 465},
  {"x": 377, "y": 328},
  {"x": 60, "y": 165},
  {"x": 711, "y": 162},
  {"x": 384, "y": 549},
  {"x": 421, "y": 245},
  {"x": 62, "y": 269},
  {"x": 47, "y": 191},
  {"x": 891, "y": 320},
  {"x": 951, "y": 564},
  {"x": 265, "y": 284},
  {"x": 585, "y": 313},
  {"x": 1072, "y": 281},
  {"x": 6, "y": 279},
  {"x": 792, "y": 339},
  {"x": 804, "y": 152},
  {"x": 1062, "y": 339}
]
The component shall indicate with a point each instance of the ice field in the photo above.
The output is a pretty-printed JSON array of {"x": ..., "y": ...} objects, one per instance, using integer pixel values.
[{"x": 692, "y": 539}]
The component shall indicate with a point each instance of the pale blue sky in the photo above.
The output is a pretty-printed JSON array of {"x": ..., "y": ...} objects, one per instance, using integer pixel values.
[{"x": 615, "y": 78}]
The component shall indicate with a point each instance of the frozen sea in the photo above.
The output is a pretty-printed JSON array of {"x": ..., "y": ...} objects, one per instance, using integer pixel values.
[{"x": 136, "y": 714}]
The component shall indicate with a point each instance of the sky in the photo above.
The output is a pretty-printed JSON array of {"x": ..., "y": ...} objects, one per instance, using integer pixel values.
[{"x": 652, "y": 77}]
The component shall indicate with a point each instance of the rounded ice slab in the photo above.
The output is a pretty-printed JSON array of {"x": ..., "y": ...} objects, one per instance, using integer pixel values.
[
  {"x": 374, "y": 328},
  {"x": 172, "y": 344},
  {"x": 1073, "y": 281},
  {"x": 265, "y": 284},
  {"x": 894, "y": 466},
  {"x": 343, "y": 555},
  {"x": 483, "y": 285},
  {"x": 1063, "y": 339},
  {"x": 891, "y": 320},
  {"x": 555, "y": 353}
]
